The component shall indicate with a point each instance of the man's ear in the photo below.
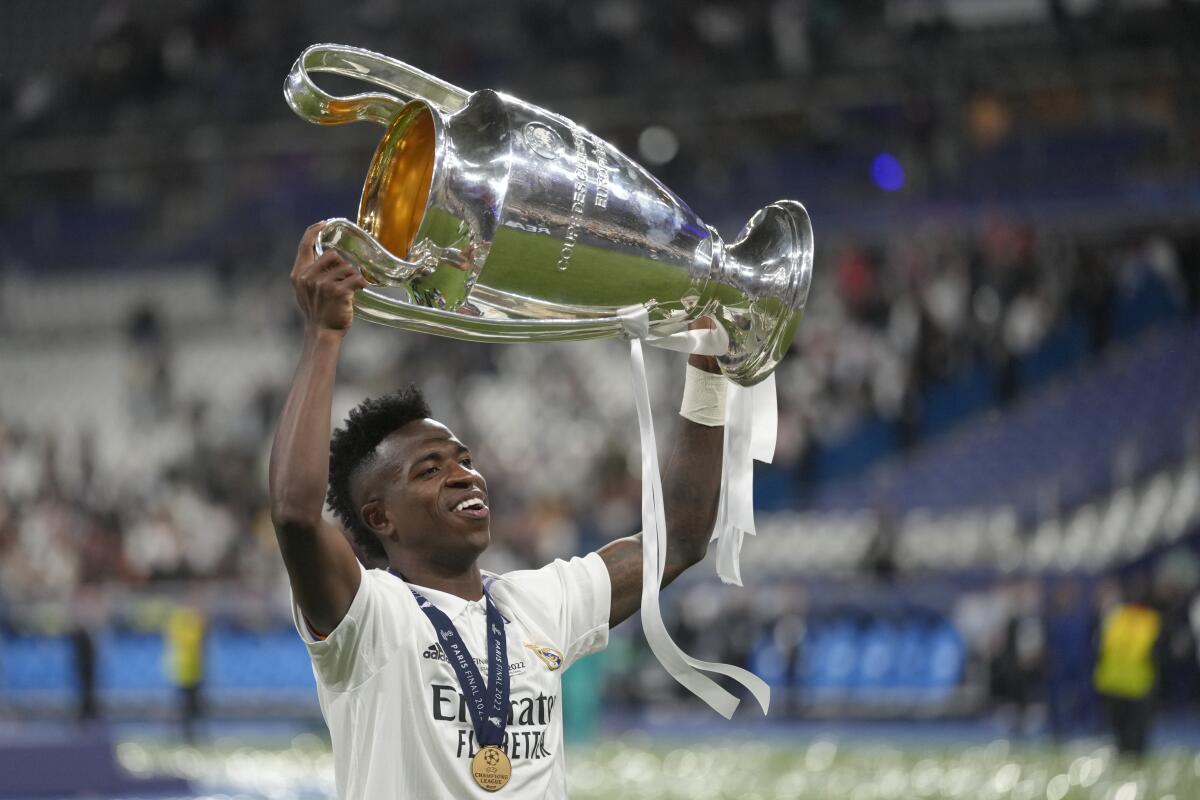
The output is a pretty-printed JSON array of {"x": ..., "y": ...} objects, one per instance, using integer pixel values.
[{"x": 374, "y": 516}]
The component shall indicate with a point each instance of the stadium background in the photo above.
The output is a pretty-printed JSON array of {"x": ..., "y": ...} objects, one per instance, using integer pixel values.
[{"x": 989, "y": 426}]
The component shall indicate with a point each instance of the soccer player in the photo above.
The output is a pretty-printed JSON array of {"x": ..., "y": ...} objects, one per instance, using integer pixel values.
[{"x": 436, "y": 679}]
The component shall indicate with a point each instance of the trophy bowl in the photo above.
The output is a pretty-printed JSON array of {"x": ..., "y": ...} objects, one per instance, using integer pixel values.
[{"x": 489, "y": 219}]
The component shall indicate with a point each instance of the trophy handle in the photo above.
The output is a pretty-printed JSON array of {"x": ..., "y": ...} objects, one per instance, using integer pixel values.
[
  {"x": 372, "y": 259},
  {"x": 312, "y": 103}
]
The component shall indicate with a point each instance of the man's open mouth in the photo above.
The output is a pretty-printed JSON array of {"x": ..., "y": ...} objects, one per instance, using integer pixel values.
[{"x": 472, "y": 507}]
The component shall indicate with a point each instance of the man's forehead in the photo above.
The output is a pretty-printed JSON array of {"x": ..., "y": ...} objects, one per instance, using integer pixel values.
[{"x": 409, "y": 441}]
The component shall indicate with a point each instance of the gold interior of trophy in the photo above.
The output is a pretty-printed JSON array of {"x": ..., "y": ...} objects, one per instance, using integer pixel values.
[{"x": 397, "y": 186}]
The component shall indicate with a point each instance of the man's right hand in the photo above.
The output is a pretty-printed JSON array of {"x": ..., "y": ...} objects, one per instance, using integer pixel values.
[{"x": 324, "y": 285}]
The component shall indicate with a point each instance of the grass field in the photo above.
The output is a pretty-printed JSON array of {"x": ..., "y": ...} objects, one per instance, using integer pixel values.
[{"x": 748, "y": 770}]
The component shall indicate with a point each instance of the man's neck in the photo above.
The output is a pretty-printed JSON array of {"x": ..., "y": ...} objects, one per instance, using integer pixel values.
[{"x": 467, "y": 583}]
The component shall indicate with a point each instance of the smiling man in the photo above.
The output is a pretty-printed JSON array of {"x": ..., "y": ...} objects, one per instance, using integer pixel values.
[{"x": 438, "y": 680}]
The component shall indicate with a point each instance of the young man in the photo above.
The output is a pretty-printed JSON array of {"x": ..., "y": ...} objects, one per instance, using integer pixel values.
[{"x": 436, "y": 679}]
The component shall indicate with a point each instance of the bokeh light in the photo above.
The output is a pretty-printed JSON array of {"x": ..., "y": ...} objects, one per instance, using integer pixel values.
[
  {"x": 887, "y": 172},
  {"x": 658, "y": 144}
]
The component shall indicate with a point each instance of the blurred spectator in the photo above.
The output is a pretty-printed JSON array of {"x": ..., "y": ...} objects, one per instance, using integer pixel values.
[
  {"x": 149, "y": 371},
  {"x": 1127, "y": 667},
  {"x": 83, "y": 649},
  {"x": 1176, "y": 579},
  {"x": 185, "y": 632},
  {"x": 1069, "y": 634},
  {"x": 1019, "y": 669}
]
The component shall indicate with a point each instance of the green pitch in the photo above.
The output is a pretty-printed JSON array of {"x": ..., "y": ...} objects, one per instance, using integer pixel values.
[{"x": 746, "y": 770}]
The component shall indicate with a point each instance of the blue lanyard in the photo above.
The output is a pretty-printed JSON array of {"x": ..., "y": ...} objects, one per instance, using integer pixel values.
[{"x": 488, "y": 707}]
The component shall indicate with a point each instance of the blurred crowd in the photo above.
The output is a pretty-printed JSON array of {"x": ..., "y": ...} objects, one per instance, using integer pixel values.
[
  {"x": 65, "y": 527},
  {"x": 892, "y": 320},
  {"x": 181, "y": 103},
  {"x": 1067, "y": 655},
  {"x": 133, "y": 63},
  {"x": 129, "y": 62}
]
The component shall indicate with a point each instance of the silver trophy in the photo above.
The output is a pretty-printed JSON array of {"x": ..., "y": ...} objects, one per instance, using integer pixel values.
[{"x": 489, "y": 219}]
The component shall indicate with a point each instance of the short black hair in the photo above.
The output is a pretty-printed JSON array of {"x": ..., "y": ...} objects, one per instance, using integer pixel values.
[{"x": 353, "y": 445}]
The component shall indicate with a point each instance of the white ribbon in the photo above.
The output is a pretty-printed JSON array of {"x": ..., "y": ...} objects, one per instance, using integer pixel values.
[
  {"x": 751, "y": 422},
  {"x": 701, "y": 342},
  {"x": 735, "y": 515}
]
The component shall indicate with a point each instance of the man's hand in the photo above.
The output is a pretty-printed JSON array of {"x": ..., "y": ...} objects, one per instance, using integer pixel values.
[{"x": 324, "y": 285}]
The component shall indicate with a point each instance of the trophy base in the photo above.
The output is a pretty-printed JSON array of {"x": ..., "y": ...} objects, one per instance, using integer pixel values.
[{"x": 771, "y": 265}]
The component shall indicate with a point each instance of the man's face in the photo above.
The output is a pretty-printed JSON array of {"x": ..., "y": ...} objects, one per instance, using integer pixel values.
[{"x": 424, "y": 493}]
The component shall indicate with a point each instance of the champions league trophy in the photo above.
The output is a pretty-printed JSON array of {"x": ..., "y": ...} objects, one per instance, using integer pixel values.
[{"x": 488, "y": 219}]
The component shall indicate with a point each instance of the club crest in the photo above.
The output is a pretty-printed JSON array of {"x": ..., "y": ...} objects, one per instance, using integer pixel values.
[{"x": 548, "y": 655}]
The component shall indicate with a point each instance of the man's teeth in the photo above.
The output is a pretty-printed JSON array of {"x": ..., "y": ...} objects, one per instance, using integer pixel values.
[{"x": 474, "y": 502}]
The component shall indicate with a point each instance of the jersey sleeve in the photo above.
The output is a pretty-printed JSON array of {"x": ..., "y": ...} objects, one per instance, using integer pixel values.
[
  {"x": 361, "y": 643},
  {"x": 576, "y": 596}
]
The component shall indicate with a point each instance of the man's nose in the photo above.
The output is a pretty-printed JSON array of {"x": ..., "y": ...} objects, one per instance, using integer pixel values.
[{"x": 463, "y": 477}]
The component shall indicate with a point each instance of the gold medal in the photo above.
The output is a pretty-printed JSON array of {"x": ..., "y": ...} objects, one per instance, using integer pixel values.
[{"x": 491, "y": 768}]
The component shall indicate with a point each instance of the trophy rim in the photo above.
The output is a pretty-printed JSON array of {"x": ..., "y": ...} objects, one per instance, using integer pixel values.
[{"x": 381, "y": 160}]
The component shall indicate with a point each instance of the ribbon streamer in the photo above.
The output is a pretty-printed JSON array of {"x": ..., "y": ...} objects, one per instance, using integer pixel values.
[
  {"x": 751, "y": 422},
  {"x": 749, "y": 433}
]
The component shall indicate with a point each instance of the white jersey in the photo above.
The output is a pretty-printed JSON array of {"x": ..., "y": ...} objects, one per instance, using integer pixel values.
[{"x": 398, "y": 721}]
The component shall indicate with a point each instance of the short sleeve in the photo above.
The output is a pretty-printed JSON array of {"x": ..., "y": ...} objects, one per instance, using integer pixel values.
[
  {"x": 361, "y": 643},
  {"x": 576, "y": 596}
]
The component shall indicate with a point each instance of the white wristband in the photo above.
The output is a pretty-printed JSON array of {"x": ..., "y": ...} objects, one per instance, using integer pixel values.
[{"x": 703, "y": 397}]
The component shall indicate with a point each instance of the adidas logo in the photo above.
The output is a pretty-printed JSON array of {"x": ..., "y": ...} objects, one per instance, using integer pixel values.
[{"x": 435, "y": 653}]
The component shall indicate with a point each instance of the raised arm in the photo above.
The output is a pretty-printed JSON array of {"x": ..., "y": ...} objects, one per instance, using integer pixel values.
[
  {"x": 691, "y": 486},
  {"x": 321, "y": 564}
]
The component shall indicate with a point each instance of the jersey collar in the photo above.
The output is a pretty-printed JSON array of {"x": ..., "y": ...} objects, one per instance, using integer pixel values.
[{"x": 451, "y": 604}]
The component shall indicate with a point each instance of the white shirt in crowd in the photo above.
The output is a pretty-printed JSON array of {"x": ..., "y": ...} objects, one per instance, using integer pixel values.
[{"x": 398, "y": 721}]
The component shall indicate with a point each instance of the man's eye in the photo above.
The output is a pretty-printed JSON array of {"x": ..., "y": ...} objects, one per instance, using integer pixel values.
[
  {"x": 430, "y": 471},
  {"x": 466, "y": 462}
]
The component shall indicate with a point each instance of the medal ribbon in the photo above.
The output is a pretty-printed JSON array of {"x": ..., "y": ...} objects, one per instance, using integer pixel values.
[{"x": 488, "y": 706}]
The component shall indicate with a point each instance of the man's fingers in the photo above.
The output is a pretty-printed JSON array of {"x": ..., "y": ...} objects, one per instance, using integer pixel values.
[
  {"x": 304, "y": 251},
  {"x": 308, "y": 241},
  {"x": 702, "y": 323},
  {"x": 339, "y": 274},
  {"x": 328, "y": 261},
  {"x": 355, "y": 278}
]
